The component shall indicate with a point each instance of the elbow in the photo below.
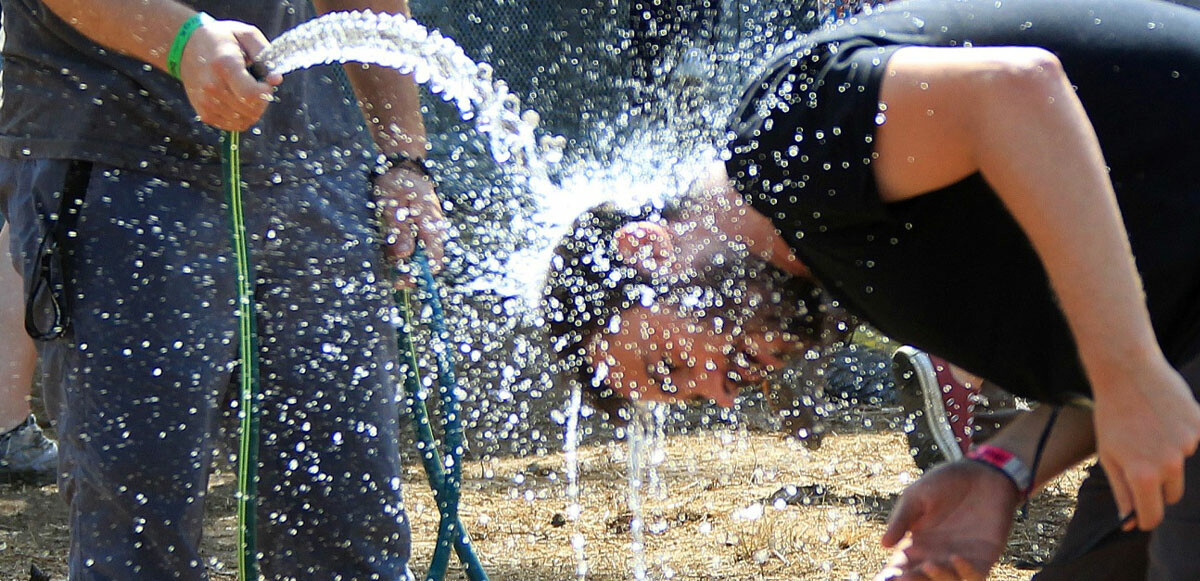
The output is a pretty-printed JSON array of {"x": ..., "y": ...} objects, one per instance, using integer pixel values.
[
  {"x": 1027, "y": 83},
  {"x": 1025, "y": 72}
]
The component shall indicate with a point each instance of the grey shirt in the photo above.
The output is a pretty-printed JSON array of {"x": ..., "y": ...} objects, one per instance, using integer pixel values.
[{"x": 68, "y": 98}]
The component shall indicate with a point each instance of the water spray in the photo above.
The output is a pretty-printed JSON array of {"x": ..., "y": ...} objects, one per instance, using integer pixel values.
[{"x": 397, "y": 42}]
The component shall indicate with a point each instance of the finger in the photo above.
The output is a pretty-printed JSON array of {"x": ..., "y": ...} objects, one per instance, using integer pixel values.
[
  {"x": 938, "y": 572},
  {"x": 1147, "y": 499},
  {"x": 907, "y": 512},
  {"x": 1174, "y": 484},
  {"x": 432, "y": 231},
  {"x": 401, "y": 241},
  {"x": 393, "y": 223},
  {"x": 250, "y": 97},
  {"x": 1121, "y": 493},
  {"x": 226, "y": 120},
  {"x": 253, "y": 42},
  {"x": 888, "y": 573},
  {"x": 402, "y": 275},
  {"x": 403, "y": 281},
  {"x": 220, "y": 119},
  {"x": 965, "y": 569}
]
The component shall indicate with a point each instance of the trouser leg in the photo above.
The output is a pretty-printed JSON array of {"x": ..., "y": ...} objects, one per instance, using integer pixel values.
[
  {"x": 330, "y": 504},
  {"x": 139, "y": 382},
  {"x": 136, "y": 383},
  {"x": 1095, "y": 548},
  {"x": 1173, "y": 554}
]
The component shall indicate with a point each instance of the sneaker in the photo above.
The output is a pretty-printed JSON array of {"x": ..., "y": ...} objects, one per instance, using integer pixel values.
[
  {"x": 27, "y": 455},
  {"x": 939, "y": 410}
]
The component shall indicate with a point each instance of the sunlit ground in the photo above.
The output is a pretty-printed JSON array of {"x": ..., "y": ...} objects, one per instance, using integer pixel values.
[{"x": 707, "y": 526}]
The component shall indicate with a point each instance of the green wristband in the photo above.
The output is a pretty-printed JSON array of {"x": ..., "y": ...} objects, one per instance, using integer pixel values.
[{"x": 181, "y": 39}]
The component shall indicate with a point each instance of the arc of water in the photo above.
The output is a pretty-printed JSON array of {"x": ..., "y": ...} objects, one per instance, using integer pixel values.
[{"x": 398, "y": 42}]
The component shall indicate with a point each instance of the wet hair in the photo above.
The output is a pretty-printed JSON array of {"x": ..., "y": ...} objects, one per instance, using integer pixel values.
[{"x": 589, "y": 284}]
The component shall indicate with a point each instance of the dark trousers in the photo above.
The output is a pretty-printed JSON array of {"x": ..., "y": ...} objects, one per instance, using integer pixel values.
[
  {"x": 142, "y": 380},
  {"x": 1169, "y": 552}
]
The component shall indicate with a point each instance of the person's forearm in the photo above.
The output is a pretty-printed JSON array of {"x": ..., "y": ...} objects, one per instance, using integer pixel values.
[
  {"x": 736, "y": 218},
  {"x": 389, "y": 100},
  {"x": 142, "y": 29},
  {"x": 1070, "y": 442}
]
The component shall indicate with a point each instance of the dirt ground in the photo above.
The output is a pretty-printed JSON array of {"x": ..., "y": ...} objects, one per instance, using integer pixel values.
[{"x": 706, "y": 526}]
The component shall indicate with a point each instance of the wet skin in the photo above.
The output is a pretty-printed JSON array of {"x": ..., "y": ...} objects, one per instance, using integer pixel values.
[
  {"x": 660, "y": 353},
  {"x": 656, "y": 353}
]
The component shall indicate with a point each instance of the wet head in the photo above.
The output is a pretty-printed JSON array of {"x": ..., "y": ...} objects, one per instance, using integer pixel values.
[{"x": 662, "y": 305}]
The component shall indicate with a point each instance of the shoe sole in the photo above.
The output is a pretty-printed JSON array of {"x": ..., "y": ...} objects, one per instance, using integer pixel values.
[{"x": 923, "y": 406}]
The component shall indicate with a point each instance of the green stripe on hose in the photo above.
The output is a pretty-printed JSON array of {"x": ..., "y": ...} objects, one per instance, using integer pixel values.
[
  {"x": 443, "y": 478},
  {"x": 248, "y": 404}
]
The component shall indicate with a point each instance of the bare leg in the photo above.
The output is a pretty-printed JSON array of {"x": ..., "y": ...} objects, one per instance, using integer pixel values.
[{"x": 17, "y": 355}]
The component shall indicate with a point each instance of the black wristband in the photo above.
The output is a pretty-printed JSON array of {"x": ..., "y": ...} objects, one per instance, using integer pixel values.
[{"x": 386, "y": 162}]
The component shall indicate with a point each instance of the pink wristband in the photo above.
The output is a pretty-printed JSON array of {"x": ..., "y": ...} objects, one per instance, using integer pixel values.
[{"x": 1007, "y": 463}]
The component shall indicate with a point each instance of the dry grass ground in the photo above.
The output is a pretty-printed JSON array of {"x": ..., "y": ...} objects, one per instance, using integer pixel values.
[{"x": 698, "y": 530}]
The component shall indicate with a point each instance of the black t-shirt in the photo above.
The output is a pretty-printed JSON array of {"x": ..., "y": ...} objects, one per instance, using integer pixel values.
[
  {"x": 950, "y": 271},
  {"x": 65, "y": 97}
]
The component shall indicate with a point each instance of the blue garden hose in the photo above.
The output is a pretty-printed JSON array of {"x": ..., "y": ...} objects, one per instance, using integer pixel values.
[{"x": 445, "y": 477}]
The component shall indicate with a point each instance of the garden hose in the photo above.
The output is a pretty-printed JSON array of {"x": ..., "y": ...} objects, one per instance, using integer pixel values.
[
  {"x": 248, "y": 398},
  {"x": 444, "y": 477}
]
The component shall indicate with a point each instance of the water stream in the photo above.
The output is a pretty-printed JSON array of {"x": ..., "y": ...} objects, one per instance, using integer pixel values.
[
  {"x": 398, "y": 42},
  {"x": 650, "y": 166},
  {"x": 645, "y": 438}
]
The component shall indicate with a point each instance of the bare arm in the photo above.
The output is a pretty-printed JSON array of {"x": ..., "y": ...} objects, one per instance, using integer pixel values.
[
  {"x": 1010, "y": 114},
  {"x": 958, "y": 516},
  {"x": 143, "y": 30},
  {"x": 213, "y": 64},
  {"x": 732, "y": 216},
  {"x": 389, "y": 100},
  {"x": 392, "y": 107},
  {"x": 1071, "y": 441}
]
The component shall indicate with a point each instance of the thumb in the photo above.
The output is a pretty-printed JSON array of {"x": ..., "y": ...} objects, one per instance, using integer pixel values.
[
  {"x": 1120, "y": 489},
  {"x": 908, "y": 511}
]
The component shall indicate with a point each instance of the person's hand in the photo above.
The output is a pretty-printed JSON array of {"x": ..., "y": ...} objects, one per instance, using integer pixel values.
[
  {"x": 1145, "y": 429},
  {"x": 953, "y": 523},
  {"x": 409, "y": 211},
  {"x": 213, "y": 71}
]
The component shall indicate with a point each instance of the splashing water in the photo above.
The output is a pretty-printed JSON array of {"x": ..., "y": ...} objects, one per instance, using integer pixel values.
[
  {"x": 571, "y": 454},
  {"x": 398, "y": 42},
  {"x": 657, "y": 162},
  {"x": 646, "y": 439}
]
